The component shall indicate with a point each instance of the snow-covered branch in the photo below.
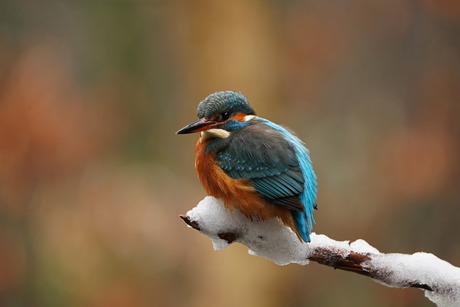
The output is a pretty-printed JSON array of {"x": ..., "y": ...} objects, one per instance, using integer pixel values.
[{"x": 270, "y": 239}]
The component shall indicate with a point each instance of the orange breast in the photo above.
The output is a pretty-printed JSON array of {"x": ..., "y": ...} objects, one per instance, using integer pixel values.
[{"x": 236, "y": 193}]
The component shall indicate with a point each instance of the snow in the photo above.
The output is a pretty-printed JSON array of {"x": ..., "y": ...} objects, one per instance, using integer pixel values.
[
  {"x": 363, "y": 247},
  {"x": 272, "y": 240},
  {"x": 214, "y": 218},
  {"x": 423, "y": 268},
  {"x": 269, "y": 239}
]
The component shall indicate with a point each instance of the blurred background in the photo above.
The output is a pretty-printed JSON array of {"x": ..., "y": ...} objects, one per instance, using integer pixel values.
[{"x": 93, "y": 178}]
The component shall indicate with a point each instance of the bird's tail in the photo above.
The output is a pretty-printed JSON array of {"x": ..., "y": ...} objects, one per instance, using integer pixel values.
[{"x": 302, "y": 229}]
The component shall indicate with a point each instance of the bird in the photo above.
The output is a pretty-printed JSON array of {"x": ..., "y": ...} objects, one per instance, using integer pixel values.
[{"x": 253, "y": 164}]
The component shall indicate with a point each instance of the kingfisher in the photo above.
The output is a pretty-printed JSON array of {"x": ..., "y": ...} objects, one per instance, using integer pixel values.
[{"x": 252, "y": 164}]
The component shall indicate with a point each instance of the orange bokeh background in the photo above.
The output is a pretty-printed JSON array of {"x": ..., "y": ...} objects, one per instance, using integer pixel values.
[{"x": 93, "y": 178}]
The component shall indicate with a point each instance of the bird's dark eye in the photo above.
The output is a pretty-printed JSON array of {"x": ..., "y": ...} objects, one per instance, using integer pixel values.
[
  {"x": 225, "y": 115},
  {"x": 220, "y": 117}
]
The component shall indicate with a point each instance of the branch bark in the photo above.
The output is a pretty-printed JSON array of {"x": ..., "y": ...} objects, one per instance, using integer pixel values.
[{"x": 270, "y": 239}]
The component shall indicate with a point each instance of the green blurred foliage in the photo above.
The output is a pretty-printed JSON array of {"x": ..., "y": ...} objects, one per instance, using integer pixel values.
[{"x": 92, "y": 177}]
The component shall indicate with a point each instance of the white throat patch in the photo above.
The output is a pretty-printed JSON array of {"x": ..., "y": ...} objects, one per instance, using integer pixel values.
[{"x": 214, "y": 133}]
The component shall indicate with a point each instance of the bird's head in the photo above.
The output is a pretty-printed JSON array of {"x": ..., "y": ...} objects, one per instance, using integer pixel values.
[{"x": 222, "y": 111}]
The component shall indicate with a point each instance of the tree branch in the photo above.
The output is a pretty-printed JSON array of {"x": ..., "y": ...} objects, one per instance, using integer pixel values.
[{"x": 270, "y": 239}]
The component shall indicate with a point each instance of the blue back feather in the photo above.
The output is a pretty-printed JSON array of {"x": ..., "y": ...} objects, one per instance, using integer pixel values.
[{"x": 303, "y": 220}]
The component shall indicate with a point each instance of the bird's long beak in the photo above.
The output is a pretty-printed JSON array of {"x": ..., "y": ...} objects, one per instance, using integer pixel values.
[{"x": 200, "y": 125}]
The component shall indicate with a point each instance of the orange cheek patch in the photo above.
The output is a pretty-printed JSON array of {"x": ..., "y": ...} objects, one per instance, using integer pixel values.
[{"x": 241, "y": 117}]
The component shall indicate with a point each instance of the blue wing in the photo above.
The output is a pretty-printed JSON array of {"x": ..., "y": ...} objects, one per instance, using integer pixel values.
[
  {"x": 262, "y": 155},
  {"x": 278, "y": 166}
]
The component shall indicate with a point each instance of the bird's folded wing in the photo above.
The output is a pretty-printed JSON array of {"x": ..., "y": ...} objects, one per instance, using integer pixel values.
[{"x": 268, "y": 161}]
